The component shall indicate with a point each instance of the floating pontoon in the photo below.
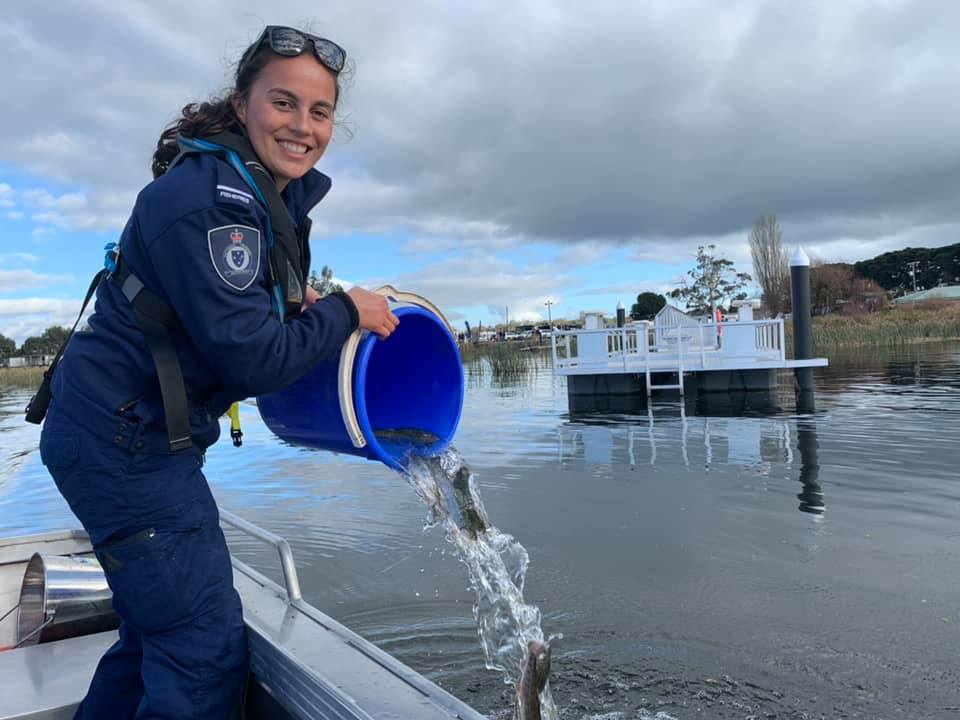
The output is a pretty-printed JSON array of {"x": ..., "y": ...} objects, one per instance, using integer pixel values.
[{"x": 737, "y": 354}]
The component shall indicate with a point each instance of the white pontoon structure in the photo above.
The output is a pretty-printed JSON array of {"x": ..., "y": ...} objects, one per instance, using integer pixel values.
[{"x": 739, "y": 353}]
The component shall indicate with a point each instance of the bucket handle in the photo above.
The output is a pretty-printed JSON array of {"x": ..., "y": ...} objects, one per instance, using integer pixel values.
[
  {"x": 51, "y": 615},
  {"x": 349, "y": 353}
]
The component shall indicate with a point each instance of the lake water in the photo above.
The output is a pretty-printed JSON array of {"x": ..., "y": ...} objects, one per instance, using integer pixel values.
[{"x": 733, "y": 560}]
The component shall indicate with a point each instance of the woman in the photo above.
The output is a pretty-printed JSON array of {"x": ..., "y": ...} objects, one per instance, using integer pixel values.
[{"x": 206, "y": 306}]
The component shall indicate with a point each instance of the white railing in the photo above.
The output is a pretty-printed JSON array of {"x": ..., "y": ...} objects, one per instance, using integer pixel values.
[
  {"x": 702, "y": 345},
  {"x": 768, "y": 336}
]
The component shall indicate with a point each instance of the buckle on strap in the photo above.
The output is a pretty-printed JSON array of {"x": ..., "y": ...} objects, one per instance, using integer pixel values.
[{"x": 111, "y": 256}]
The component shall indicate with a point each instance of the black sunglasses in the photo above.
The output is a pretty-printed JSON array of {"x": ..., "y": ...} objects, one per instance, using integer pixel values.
[{"x": 291, "y": 42}]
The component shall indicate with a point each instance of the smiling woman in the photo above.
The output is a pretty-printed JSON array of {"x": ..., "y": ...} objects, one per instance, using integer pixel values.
[
  {"x": 288, "y": 115},
  {"x": 203, "y": 303}
]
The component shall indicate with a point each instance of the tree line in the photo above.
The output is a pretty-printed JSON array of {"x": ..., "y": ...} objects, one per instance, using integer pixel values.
[
  {"x": 898, "y": 270},
  {"x": 47, "y": 343},
  {"x": 865, "y": 286},
  {"x": 860, "y": 287}
]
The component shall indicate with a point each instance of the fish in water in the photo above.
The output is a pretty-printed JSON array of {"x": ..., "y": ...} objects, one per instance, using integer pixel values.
[
  {"x": 455, "y": 491},
  {"x": 533, "y": 679},
  {"x": 472, "y": 515}
]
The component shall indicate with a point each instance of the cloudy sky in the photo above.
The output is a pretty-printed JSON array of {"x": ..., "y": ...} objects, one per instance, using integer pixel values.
[{"x": 497, "y": 155}]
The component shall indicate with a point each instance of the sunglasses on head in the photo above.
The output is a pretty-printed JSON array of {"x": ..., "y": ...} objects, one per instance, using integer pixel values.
[{"x": 291, "y": 42}]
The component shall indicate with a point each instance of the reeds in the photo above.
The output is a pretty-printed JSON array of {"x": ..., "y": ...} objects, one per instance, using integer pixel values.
[
  {"x": 505, "y": 360},
  {"x": 896, "y": 326},
  {"x": 21, "y": 377}
]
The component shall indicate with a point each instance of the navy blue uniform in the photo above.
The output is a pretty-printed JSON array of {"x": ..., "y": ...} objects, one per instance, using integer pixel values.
[{"x": 198, "y": 240}]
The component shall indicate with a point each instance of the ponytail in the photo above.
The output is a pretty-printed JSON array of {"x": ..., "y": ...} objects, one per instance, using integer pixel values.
[{"x": 197, "y": 120}]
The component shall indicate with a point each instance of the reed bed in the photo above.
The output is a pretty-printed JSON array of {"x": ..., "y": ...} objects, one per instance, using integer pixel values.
[
  {"x": 505, "y": 360},
  {"x": 21, "y": 377},
  {"x": 897, "y": 326}
]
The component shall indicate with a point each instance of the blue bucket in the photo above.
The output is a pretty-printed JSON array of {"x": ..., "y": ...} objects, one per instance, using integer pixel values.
[{"x": 413, "y": 380}]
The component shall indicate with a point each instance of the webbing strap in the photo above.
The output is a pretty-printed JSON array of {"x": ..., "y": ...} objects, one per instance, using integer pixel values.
[
  {"x": 172, "y": 389},
  {"x": 156, "y": 319},
  {"x": 36, "y": 409}
]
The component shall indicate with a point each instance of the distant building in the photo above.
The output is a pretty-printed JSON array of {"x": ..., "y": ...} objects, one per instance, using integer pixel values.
[
  {"x": 944, "y": 292},
  {"x": 27, "y": 361},
  {"x": 593, "y": 320}
]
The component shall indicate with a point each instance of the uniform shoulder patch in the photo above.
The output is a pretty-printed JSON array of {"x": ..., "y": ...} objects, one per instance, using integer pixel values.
[
  {"x": 230, "y": 195},
  {"x": 235, "y": 253}
]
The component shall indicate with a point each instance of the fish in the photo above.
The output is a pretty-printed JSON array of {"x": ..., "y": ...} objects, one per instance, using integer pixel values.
[
  {"x": 455, "y": 490},
  {"x": 472, "y": 517},
  {"x": 407, "y": 436},
  {"x": 534, "y": 673}
]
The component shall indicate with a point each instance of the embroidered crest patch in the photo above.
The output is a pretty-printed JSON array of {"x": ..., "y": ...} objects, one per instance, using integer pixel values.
[{"x": 235, "y": 253}]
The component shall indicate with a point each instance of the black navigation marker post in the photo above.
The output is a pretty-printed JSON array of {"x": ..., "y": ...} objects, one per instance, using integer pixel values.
[
  {"x": 621, "y": 315},
  {"x": 802, "y": 333}
]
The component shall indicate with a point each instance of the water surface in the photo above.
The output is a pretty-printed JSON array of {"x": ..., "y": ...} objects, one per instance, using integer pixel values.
[{"x": 735, "y": 559}]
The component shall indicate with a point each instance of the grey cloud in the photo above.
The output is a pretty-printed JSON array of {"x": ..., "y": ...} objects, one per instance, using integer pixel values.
[
  {"x": 627, "y": 291},
  {"x": 621, "y": 122},
  {"x": 471, "y": 280}
]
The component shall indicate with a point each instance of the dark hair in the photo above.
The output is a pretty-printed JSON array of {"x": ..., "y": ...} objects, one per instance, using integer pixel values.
[{"x": 217, "y": 114}]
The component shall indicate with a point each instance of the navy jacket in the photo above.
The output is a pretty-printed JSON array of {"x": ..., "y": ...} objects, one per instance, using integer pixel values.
[{"x": 197, "y": 239}]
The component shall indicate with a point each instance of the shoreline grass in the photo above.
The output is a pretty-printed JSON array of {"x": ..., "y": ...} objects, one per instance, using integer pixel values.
[
  {"x": 21, "y": 377},
  {"x": 896, "y": 326},
  {"x": 506, "y": 360}
]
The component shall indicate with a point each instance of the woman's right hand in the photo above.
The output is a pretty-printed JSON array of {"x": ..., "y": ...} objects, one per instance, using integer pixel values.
[{"x": 374, "y": 312}]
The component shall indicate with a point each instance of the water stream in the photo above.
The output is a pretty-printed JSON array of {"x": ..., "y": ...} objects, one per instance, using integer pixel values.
[{"x": 496, "y": 562}]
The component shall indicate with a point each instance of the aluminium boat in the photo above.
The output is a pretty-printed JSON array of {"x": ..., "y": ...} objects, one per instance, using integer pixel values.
[{"x": 304, "y": 665}]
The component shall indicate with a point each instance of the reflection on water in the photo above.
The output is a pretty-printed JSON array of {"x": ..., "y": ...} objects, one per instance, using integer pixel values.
[
  {"x": 811, "y": 497},
  {"x": 757, "y": 433},
  {"x": 664, "y": 540}
]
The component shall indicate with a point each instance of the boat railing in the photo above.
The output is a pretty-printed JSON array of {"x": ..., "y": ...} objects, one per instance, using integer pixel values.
[{"x": 291, "y": 580}]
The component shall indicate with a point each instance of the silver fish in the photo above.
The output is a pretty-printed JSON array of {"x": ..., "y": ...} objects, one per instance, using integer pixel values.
[
  {"x": 472, "y": 517},
  {"x": 407, "y": 436},
  {"x": 533, "y": 679}
]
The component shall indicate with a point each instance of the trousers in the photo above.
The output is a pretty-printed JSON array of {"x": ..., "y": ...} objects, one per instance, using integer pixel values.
[{"x": 154, "y": 525}]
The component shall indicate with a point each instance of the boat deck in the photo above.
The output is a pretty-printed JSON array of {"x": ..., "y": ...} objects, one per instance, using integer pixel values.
[{"x": 304, "y": 664}]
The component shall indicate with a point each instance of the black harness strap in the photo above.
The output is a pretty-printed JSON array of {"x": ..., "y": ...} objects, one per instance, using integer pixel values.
[
  {"x": 156, "y": 319},
  {"x": 36, "y": 409}
]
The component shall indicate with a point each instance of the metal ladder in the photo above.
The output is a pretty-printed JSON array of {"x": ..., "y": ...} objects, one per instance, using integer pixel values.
[{"x": 671, "y": 386}]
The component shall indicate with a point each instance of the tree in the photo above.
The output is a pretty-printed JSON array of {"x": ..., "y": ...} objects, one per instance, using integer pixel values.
[
  {"x": 714, "y": 281},
  {"x": 892, "y": 270},
  {"x": 835, "y": 287},
  {"x": 323, "y": 283},
  {"x": 647, "y": 306},
  {"x": 46, "y": 344},
  {"x": 770, "y": 266},
  {"x": 7, "y": 346}
]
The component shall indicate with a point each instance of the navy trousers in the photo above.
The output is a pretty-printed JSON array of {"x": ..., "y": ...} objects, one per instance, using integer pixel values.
[{"x": 155, "y": 528}]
